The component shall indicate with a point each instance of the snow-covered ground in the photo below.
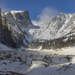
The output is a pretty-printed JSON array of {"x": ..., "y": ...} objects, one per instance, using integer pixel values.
[
  {"x": 38, "y": 62},
  {"x": 4, "y": 47}
]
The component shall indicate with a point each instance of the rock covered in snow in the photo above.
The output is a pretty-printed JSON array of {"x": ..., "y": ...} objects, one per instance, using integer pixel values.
[
  {"x": 56, "y": 27},
  {"x": 17, "y": 22},
  {"x": 20, "y": 18}
]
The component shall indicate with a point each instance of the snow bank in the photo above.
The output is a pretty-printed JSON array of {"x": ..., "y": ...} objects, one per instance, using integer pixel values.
[{"x": 4, "y": 47}]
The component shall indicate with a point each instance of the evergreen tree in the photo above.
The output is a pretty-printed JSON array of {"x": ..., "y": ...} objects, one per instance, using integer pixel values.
[
  {"x": 0, "y": 18},
  {"x": 5, "y": 29},
  {"x": 6, "y": 36},
  {"x": 5, "y": 24},
  {"x": 1, "y": 28}
]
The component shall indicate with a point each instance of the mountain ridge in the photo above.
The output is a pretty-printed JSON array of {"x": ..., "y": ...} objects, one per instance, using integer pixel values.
[
  {"x": 17, "y": 22},
  {"x": 55, "y": 27},
  {"x": 24, "y": 31}
]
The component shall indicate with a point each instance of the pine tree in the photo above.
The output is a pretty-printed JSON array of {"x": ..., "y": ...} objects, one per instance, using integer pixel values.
[
  {"x": 0, "y": 18},
  {"x": 5, "y": 24},
  {"x": 5, "y": 30},
  {"x": 1, "y": 28}
]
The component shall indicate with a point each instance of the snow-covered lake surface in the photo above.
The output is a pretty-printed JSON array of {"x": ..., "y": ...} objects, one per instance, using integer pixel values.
[{"x": 37, "y": 61}]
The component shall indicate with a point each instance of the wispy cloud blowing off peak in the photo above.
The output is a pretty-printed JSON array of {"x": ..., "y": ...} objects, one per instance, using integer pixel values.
[{"x": 46, "y": 14}]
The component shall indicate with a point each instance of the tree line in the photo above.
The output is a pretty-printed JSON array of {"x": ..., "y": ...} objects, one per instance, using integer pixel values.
[
  {"x": 55, "y": 43},
  {"x": 5, "y": 33}
]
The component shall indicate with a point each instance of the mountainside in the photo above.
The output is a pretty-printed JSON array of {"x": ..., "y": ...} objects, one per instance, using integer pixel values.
[
  {"x": 17, "y": 22},
  {"x": 23, "y": 31},
  {"x": 20, "y": 18},
  {"x": 55, "y": 33},
  {"x": 56, "y": 27},
  {"x": 52, "y": 45}
]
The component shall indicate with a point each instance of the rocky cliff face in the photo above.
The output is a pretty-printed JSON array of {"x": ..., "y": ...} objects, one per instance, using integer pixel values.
[
  {"x": 57, "y": 32},
  {"x": 23, "y": 31},
  {"x": 20, "y": 18},
  {"x": 56, "y": 27},
  {"x": 17, "y": 22}
]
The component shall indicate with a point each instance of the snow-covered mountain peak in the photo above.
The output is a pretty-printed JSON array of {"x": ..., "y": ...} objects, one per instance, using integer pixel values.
[
  {"x": 56, "y": 27},
  {"x": 15, "y": 11},
  {"x": 18, "y": 22},
  {"x": 20, "y": 18}
]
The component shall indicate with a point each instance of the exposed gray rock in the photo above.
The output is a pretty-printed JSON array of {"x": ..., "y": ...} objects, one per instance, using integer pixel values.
[{"x": 17, "y": 22}]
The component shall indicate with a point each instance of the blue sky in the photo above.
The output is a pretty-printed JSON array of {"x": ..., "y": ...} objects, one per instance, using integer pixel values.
[{"x": 40, "y": 9}]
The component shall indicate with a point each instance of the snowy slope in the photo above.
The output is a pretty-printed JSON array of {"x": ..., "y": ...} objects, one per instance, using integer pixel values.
[
  {"x": 5, "y": 48},
  {"x": 39, "y": 62},
  {"x": 56, "y": 27},
  {"x": 18, "y": 22}
]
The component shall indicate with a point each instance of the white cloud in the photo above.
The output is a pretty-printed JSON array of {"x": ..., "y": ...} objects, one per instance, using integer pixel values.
[{"x": 46, "y": 14}]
